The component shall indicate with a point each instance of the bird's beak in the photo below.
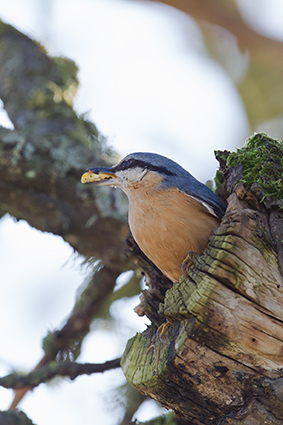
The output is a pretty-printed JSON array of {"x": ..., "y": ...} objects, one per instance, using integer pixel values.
[{"x": 100, "y": 176}]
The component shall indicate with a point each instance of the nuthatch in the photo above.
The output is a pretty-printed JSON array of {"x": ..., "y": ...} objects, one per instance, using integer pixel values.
[{"x": 170, "y": 212}]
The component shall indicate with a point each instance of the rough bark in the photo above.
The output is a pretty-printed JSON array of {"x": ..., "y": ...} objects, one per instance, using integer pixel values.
[
  {"x": 221, "y": 357},
  {"x": 41, "y": 160}
]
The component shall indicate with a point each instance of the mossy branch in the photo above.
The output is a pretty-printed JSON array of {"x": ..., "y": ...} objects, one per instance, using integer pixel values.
[
  {"x": 261, "y": 160},
  {"x": 42, "y": 159}
]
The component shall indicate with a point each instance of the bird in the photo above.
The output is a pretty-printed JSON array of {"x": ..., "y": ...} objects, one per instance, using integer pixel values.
[{"x": 171, "y": 214}]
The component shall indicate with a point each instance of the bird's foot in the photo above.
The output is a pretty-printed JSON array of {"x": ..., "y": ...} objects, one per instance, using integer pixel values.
[
  {"x": 152, "y": 346},
  {"x": 188, "y": 262},
  {"x": 162, "y": 330}
]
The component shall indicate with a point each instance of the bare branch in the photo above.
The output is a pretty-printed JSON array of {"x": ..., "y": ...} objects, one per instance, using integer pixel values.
[
  {"x": 64, "y": 344},
  {"x": 52, "y": 369}
]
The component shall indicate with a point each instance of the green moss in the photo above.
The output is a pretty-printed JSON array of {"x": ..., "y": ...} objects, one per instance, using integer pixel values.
[{"x": 262, "y": 162}]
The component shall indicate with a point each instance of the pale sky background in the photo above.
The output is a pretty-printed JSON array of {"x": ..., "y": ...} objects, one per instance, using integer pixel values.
[{"x": 141, "y": 64}]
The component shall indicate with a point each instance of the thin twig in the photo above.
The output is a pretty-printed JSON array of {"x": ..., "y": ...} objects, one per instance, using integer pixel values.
[{"x": 52, "y": 369}]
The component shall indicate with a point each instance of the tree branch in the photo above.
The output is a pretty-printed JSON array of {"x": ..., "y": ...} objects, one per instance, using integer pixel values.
[
  {"x": 41, "y": 161},
  {"x": 52, "y": 369},
  {"x": 65, "y": 344}
]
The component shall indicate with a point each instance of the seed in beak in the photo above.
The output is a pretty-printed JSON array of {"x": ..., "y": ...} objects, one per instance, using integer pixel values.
[{"x": 90, "y": 177}]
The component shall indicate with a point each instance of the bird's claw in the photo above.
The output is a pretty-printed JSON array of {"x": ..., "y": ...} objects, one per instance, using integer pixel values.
[
  {"x": 152, "y": 346},
  {"x": 161, "y": 331},
  {"x": 188, "y": 262}
]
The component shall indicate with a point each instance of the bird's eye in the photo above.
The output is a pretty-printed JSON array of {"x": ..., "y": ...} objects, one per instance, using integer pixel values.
[{"x": 124, "y": 164}]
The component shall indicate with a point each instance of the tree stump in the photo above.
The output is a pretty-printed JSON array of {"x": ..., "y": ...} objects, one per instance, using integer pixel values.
[{"x": 221, "y": 358}]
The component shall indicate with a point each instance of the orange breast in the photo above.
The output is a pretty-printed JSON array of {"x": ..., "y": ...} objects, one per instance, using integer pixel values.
[{"x": 166, "y": 225}]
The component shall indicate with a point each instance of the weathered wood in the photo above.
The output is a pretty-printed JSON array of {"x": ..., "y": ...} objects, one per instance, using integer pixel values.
[
  {"x": 224, "y": 345},
  {"x": 255, "y": 338},
  {"x": 186, "y": 371}
]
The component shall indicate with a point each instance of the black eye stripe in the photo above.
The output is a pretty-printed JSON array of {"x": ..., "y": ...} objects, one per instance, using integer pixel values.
[
  {"x": 123, "y": 165},
  {"x": 132, "y": 163}
]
